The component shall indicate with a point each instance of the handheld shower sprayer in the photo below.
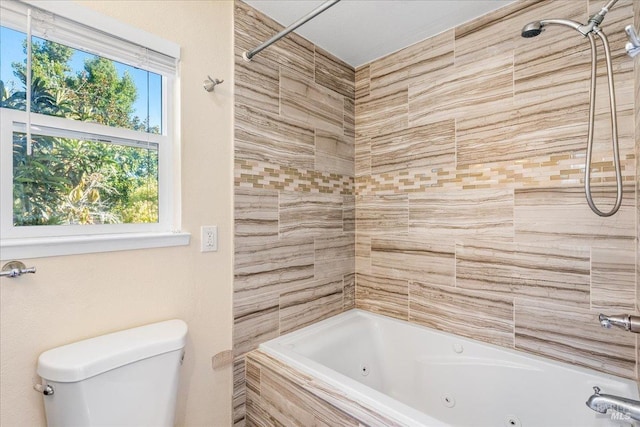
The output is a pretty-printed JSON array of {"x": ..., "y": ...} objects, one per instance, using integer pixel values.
[{"x": 588, "y": 30}]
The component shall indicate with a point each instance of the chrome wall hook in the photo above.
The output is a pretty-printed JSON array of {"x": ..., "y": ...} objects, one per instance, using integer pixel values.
[{"x": 210, "y": 84}]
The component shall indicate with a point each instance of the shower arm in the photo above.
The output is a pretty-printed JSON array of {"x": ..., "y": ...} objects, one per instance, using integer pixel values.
[{"x": 614, "y": 126}]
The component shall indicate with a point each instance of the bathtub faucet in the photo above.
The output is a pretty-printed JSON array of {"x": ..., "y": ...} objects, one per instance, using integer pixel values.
[
  {"x": 603, "y": 402},
  {"x": 623, "y": 321}
]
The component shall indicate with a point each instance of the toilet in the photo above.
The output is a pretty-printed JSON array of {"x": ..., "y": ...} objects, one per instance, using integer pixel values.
[{"x": 127, "y": 378}]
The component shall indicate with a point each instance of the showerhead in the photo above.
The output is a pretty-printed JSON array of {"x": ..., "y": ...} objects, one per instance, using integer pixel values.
[{"x": 532, "y": 29}]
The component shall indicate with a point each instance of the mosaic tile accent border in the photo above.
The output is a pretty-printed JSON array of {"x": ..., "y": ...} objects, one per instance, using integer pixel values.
[
  {"x": 273, "y": 177},
  {"x": 547, "y": 171}
]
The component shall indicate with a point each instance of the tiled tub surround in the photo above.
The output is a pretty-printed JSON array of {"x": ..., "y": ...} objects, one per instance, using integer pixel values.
[
  {"x": 294, "y": 176},
  {"x": 359, "y": 368},
  {"x": 459, "y": 206},
  {"x": 470, "y": 212}
]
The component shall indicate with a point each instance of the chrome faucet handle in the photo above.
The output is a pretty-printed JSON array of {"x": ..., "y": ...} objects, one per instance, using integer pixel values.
[
  {"x": 15, "y": 269},
  {"x": 596, "y": 390}
]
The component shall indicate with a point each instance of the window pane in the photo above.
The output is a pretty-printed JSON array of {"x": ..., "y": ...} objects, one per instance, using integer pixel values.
[
  {"x": 12, "y": 58},
  {"x": 71, "y": 83},
  {"x": 71, "y": 181}
]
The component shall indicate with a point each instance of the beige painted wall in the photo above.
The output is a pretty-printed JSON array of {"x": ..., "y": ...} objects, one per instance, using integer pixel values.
[{"x": 76, "y": 297}]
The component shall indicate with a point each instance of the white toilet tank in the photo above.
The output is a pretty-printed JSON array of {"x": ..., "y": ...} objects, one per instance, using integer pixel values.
[{"x": 127, "y": 378}]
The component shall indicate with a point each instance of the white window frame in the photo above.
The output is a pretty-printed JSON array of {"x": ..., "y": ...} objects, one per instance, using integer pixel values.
[{"x": 45, "y": 240}]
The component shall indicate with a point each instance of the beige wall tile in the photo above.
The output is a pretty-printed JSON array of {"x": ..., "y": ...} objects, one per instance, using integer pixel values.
[
  {"x": 255, "y": 321},
  {"x": 334, "y": 74},
  {"x": 383, "y": 115},
  {"x": 303, "y": 100},
  {"x": 262, "y": 267},
  {"x": 362, "y": 82},
  {"x": 257, "y": 85},
  {"x": 417, "y": 62},
  {"x": 421, "y": 148},
  {"x": 349, "y": 118},
  {"x": 309, "y": 214},
  {"x": 335, "y": 256},
  {"x": 310, "y": 302},
  {"x": 473, "y": 314},
  {"x": 386, "y": 296},
  {"x": 334, "y": 153},
  {"x": 382, "y": 214},
  {"x": 562, "y": 216},
  {"x": 349, "y": 291},
  {"x": 613, "y": 280},
  {"x": 545, "y": 273},
  {"x": 543, "y": 329},
  {"x": 265, "y": 137},
  {"x": 415, "y": 257},
  {"x": 486, "y": 214},
  {"x": 470, "y": 89},
  {"x": 256, "y": 213},
  {"x": 348, "y": 214}
]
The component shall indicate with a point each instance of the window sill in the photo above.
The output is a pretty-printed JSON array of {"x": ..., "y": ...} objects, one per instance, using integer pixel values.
[{"x": 75, "y": 245}]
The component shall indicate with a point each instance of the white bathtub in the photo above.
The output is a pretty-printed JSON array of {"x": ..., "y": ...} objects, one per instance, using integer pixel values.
[{"x": 421, "y": 377}]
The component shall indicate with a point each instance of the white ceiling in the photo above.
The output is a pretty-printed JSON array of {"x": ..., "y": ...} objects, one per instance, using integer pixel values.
[{"x": 359, "y": 31}]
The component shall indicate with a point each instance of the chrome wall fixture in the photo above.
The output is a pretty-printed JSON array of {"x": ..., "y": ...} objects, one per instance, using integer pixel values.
[
  {"x": 15, "y": 269},
  {"x": 633, "y": 46},
  {"x": 326, "y": 5},
  {"x": 210, "y": 84}
]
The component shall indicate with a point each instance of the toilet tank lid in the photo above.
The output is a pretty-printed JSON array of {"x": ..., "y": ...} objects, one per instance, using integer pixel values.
[{"x": 87, "y": 358}]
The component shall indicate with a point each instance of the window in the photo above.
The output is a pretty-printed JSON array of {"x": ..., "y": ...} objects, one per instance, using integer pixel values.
[{"x": 87, "y": 135}]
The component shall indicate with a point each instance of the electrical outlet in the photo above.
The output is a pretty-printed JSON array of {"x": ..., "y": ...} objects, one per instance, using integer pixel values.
[{"x": 209, "y": 238}]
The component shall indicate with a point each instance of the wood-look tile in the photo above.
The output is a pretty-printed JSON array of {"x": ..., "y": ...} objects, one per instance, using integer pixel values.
[
  {"x": 334, "y": 256},
  {"x": 415, "y": 257},
  {"x": 486, "y": 214},
  {"x": 255, "y": 321},
  {"x": 303, "y": 100},
  {"x": 478, "y": 315},
  {"x": 349, "y": 291},
  {"x": 562, "y": 215},
  {"x": 382, "y": 214},
  {"x": 309, "y": 214},
  {"x": 363, "y": 253},
  {"x": 547, "y": 273},
  {"x": 255, "y": 213},
  {"x": 334, "y": 153},
  {"x": 498, "y": 32},
  {"x": 295, "y": 398},
  {"x": 362, "y": 82},
  {"x": 257, "y": 85},
  {"x": 386, "y": 296},
  {"x": 419, "y": 61},
  {"x": 471, "y": 89},
  {"x": 613, "y": 279},
  {"x": 362, "y": 156},
  {"x": 334, "y": 73},
  {"x": 349, "y": 118},
  {"x": 309, "y": 303},
  {"x": 252, "y": 376},
  {"x": 382, "y": 115},
  {"x": 262, "y": 267},
  {"x": 348, "y": 214},
  {"x": 253, "y": 27},
  {"x": 420, "y": 148},
  {"x": 270, "y": 138},
  {"x": 239, "y": 391},
  {"x": 544, "y": 329}
]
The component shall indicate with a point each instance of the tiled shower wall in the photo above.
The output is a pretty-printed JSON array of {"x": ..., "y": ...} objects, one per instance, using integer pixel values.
[
  {"x": 467, "y": 212},
  {"x": 294, "y": 202},
  {"x": 470, "y": 211}
]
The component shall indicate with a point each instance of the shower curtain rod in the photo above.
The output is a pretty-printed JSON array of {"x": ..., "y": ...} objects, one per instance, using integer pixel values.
[{"x": 251, "y": 53}]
